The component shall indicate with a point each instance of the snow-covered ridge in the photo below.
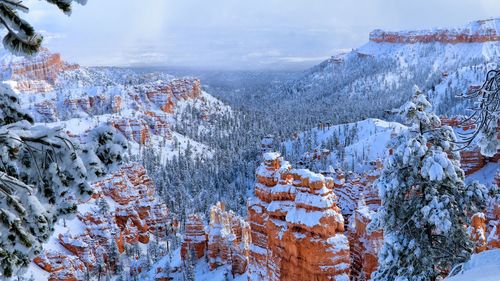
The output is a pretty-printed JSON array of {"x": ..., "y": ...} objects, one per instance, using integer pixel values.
[
  {"x": 145, "y": 108},
  {"x": 352, "y": 145},
  {"x": 477, "y": 31}
]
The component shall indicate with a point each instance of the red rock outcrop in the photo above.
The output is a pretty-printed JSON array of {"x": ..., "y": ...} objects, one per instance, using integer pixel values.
[
  {"x": 194, "y": 244},
  {"x": 472, "y": 161},
  {"x": 224, "y": 241},
  {"x": 61, "y": 267},
  {"x": 133, "y": 129},
  {"x": 364, "y": 245},
  {"x": 136, "y": 217},
  {"x": 297, "y": 229},
  {"x": 476, "y": 32},
  {"x": 471, "y": 158},
  {"x": 477, "y": 232},
  {"x": 228, "y": 240},
  {"x": 493, "y": 234},
  {"x": 38, "y": 73},
  {"x": 164, "y": 95},
  {"x": 185, "y": 88}
]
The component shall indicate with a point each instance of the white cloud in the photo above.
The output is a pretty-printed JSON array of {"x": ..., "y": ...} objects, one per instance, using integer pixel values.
[{"x": 235, "y": 34}]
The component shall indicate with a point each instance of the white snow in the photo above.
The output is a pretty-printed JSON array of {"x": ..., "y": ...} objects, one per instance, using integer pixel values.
[{"x": 484, "y": 266}]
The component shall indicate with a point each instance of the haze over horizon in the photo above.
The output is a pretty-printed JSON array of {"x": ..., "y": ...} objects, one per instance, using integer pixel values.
[{"x": 228, "y": 34}]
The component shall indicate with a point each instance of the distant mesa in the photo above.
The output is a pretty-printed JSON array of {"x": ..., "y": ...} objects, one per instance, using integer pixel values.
[{"x": 476, "y": 32}]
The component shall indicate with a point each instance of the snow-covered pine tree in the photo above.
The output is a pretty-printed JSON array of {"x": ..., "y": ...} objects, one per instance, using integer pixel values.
[
  {"x": 424, "y": 200},
  {"x": 103, "y": 151},
  {"x": 21, "y": 38},
  {"x": 42, "y": 177}
]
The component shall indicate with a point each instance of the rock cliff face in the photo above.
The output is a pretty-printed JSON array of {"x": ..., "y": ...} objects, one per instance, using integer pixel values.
[
  {"x": 133, "y": 129},
  {"x": 224, "y": 241},
  {"x": 297, "y": 229},
  {"x": 177, "y": 89},
  {"x": 475, "y": 32},
  {"x": 123, "y": 211},
  {"x": 364, "y": 245},
  {"x": 194, "y": 245},
  {"x": 358, "y": 200},
  {"x": 37, "y": 74}
]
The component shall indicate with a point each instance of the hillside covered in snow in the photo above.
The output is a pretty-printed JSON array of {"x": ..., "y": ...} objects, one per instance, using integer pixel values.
[{"x": 280, "y": 181}]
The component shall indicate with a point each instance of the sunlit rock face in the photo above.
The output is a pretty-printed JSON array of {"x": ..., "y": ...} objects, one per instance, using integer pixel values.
[
  {"x": 477, "y": 232},
  {"x": 131, "y": 215},
  {"x": 61, "y": 266},
  {"x": 296, "y": 226},
  {"x": 37, "y": 74},
  {"x": 177, "y": 89},
  {"x": 475, "y": 32},
  {"x": 133, "y": 129}
]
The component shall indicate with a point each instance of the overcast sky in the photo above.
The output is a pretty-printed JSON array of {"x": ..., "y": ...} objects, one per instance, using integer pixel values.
[{"x": 235, "y": 34}]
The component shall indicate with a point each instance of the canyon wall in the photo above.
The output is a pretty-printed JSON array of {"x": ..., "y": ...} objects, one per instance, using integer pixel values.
[
  {"x": 36, "y": 74},
  {"x": 476, "y": 32}
]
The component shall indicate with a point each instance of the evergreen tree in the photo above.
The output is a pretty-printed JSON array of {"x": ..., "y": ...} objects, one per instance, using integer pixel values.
[
  {"x": 424, "y": 200},
  {"x": 21, "y": 37},
  {"x": 42, "y": 178}
]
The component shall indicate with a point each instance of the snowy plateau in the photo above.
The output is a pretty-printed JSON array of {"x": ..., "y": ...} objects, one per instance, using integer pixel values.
[{"x": 278, "y": 186}]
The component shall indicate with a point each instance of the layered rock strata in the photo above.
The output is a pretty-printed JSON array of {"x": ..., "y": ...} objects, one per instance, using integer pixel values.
[
  {"x": 475, "y": 32},
  {"x": 122, "y": 211},
  {"x": 296, "y": 226}
]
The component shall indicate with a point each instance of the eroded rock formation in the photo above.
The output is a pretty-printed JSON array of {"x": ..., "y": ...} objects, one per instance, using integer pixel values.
[
  {"x": 194, "y": 244},
  {"x": 228, "y": 240},
  {"x": 106, "y": 230},
  {"x": 476, "y": 32},
  {"x": 37, "y": 74},
  {"x": 493, "y": 226},
  {"x": 133, "y": 129},
  {"x": 224, "y": 241},
  {"x": 297, "y": 229},
  {"x": 471, "y": 159}
]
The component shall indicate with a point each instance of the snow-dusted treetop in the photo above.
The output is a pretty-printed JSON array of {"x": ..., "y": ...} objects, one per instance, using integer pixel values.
[{"x": 21, "y": 37}]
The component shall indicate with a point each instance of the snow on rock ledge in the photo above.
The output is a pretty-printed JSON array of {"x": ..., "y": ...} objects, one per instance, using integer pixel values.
[
  {"x": 296, "y": 227},
  {"x": 475, "y": 32},
  {"x": 225, "y": 241},
  {"x": 123, "y": 211}
]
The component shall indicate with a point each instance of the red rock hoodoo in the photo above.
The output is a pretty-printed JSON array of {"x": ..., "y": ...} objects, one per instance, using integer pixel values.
[
  {"x": 137, "y": 215},
  {"x": 228, "y": 240},
  {"x": 195, "y": 238},
  {"x": 296, "y": 227},
  {"x": 225, "y": 240}
]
